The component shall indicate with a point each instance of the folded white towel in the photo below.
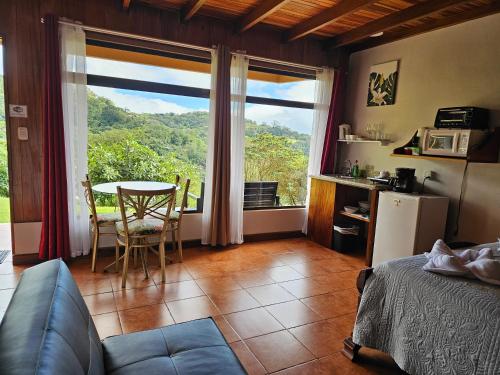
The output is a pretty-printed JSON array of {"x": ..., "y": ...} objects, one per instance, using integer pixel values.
[{"x": 470, "y": 263}]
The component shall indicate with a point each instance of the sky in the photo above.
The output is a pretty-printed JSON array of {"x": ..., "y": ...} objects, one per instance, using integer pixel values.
[{"x": 142, "y": 102}]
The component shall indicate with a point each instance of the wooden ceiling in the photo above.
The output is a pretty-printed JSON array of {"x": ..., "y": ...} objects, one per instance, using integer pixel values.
[{"x": 340, "y": 23}]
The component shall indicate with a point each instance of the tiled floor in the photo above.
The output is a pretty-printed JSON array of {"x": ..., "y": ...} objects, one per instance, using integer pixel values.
[{"x": 284, "y": 306}]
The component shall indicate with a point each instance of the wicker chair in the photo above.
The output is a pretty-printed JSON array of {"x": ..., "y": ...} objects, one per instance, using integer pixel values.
[
  {"x": 147, "y": 228},
  {"x": 98, "y": 221},
  {"x": 176, "y": 216}
]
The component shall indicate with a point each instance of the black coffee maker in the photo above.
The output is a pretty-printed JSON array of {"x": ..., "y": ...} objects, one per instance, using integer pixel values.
[{"x": 404, "y": 180}]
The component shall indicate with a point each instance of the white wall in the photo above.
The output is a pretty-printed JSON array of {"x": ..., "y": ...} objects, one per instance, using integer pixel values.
[
  {"x": 456, "y": 66},
  {"x": 27, "y": 235}
]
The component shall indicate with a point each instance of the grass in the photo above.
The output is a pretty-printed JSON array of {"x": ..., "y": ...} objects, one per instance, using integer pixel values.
[{"x": 4, "y": 210}]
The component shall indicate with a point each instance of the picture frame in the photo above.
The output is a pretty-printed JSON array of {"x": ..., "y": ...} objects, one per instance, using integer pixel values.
[{"x": 382, "y": 84}]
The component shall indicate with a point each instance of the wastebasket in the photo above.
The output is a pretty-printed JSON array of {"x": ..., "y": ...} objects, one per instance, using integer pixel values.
[{"x": 345, "y": 238}]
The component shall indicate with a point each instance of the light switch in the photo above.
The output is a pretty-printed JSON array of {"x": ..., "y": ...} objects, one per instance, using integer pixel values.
[{"x": 22, "y": 133}]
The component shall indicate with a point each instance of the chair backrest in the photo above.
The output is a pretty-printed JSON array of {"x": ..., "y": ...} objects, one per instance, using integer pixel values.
[
  {"x": 47, "y": 328},
  {"x": 260, "y": 194},
  {"x": 183, "y": 184},
  {"x": 89, "y": 198},
  {"x": 151, "y": 203}
]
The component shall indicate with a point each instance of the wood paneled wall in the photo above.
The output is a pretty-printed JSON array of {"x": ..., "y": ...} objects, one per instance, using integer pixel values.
[{"x": 23, "y": 45}]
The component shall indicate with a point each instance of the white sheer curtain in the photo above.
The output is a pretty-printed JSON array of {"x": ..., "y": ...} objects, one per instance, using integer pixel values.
[
  {"x": 207, "y": 198},
  {"x": 239, "y": 70},
  {"x": 74, "y": 99},
  {"x": 322, "y": 98}
]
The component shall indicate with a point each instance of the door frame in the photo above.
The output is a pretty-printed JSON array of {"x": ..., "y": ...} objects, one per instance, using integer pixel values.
[{"x": 3, "y": 39}]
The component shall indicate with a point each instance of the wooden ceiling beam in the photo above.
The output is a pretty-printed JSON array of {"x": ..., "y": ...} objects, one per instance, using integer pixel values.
[
  {"x": 435, "y": 24},
  {"x": 191, "y": 8},
  {"x": 126, "y": 4},
  {"x": 393, "y": 20},
  {"x": 262, "y": 11},
  {"x": 342, "y": 9}
]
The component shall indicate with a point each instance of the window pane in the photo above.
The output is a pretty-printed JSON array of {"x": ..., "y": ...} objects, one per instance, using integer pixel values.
[
  {"x": 277, "y": 150},
  {"x": 150, "y": 73},
  {"x": 301, "y": 91},
  {"x": 135, "y": 135}
]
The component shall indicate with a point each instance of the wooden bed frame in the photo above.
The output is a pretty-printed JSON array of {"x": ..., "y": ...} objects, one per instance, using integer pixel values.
[{"x": 350, "y": 348}]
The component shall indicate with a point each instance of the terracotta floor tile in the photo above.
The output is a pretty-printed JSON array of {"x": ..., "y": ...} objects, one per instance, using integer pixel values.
[
  {"x": 89, "y": 286},
  {"x": 146, "y": 317},
  {"x": 192, "y": 308},
  {"x": 284, "y": 273},
  {"x": 218, "y": 284},
  {"x": 321, "y": 338},
  {"x": 130, "y": 298},
  {"x": 135, "y": 279},
  {"x": 107, "y": 324},
  {"x": 247, "y": 359},
  {"x": 293, "y": 313},
  {"x": 173, "y": 273},
  {"x": 333, "y": 304},
  {"x": 254, "y": 278},
  {"x": 292, "y": 258},
  {"x": 311, "y": 368},
  {"x": 233, "y": 301},
  {"x": 338, "y": 280},
  {"x": 229, "y": 333},
  {"x": 9, "y": 281},
  {"x": 100, "y": 303},
  {"x": 180, "y": 290},
  {"x": 256, "y": 322},
  {"x": 278, "y": 350},
  {"x": 309, "y": 269},
  {"x": 337, "y": 265},
  {"x": 370, "y": 362},
  {"x": 344, "y": 324},
  {"x": 270, "y": 294},
  {"x": 303, "y": 288}
]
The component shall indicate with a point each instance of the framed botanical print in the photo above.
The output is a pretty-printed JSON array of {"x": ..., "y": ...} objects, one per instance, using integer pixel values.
[{"x": 382, "y": 84}]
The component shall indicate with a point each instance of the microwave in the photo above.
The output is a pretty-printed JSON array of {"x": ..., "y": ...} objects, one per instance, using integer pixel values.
[{"x": 451, "y": 142}]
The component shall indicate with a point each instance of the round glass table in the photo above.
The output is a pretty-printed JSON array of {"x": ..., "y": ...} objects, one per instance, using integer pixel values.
[{"x": 110, "y": 187}]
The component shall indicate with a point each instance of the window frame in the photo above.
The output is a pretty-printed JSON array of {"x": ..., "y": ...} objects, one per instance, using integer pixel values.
[{"x": 196, "y": 92}]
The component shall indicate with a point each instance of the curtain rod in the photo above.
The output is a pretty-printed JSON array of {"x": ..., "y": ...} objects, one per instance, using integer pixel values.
[{"x": 177, "y": 44}]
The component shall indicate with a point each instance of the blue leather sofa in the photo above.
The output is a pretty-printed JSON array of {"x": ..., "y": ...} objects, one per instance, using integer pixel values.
[{"x": 47, "y": 330}]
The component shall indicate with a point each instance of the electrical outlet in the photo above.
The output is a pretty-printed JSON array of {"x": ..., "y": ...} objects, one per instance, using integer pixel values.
[{"x": 430, "y": 175}]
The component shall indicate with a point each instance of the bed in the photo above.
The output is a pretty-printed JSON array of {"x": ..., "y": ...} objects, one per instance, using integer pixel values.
[{"x": 428, "y": 323}]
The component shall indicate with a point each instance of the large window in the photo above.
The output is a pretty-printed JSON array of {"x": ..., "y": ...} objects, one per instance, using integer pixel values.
[
  {"x": 146, "y": 122},
  {"x": 278, "y": 133}
]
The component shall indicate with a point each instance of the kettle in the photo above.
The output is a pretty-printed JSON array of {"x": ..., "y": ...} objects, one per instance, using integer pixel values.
[{"x": 344, "y": 130}]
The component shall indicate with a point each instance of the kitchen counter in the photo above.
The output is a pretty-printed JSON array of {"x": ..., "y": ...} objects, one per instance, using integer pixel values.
[{"x": 362, "y": 183}]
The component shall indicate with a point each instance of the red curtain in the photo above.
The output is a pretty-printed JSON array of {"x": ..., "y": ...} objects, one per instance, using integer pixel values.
[
  {"x": 54, "y": 241},
  {"x": 335, "y": 115}
]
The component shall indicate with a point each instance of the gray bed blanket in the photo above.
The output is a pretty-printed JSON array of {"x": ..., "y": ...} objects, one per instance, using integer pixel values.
[{"x": 430, "y": 323}]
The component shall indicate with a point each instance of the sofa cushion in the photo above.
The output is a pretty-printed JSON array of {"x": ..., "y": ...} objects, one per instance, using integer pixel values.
[
  {"x": 195, "y": 347},
  {"x": 47, "y": 328}
]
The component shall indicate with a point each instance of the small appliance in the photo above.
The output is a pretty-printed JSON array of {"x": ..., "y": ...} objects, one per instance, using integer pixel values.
[
  {"x": 403, "y": 181},
  {"x": 451, "y": 142},
  {"x": 462, "y": 118},
  {"x": 344, "y": 131}
]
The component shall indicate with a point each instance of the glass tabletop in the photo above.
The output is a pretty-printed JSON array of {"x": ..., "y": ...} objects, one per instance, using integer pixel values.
[{"x": 110, "y": 187}]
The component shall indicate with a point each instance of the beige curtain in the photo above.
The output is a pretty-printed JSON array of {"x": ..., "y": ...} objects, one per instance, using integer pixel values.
[{"x": 216, "y": 204}]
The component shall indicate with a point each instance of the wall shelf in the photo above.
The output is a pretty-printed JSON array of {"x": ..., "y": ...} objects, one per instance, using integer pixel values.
[
  {"x": 348, "y": 141},
  {"x": 429, "y": 157},
  {"x": 366, "y": 219}
]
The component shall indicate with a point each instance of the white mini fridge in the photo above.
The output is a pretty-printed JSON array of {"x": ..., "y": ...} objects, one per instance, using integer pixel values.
[{"x": 407, "y": 224}]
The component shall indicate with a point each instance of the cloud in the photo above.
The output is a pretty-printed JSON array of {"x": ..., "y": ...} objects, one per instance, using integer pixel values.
[
  {"x": 140, "y": 104},
  {"x": 297, "y": 119},
  {"x": 149, "y": 73}
]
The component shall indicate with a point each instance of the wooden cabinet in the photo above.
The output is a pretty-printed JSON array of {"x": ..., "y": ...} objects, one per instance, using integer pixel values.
[
  {"x": 328, "y": 197},
  {"x": 321, "y": 209}
]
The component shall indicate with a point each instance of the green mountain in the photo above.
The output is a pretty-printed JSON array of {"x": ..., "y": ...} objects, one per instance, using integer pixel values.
[{"x": 132, "y": 146}]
